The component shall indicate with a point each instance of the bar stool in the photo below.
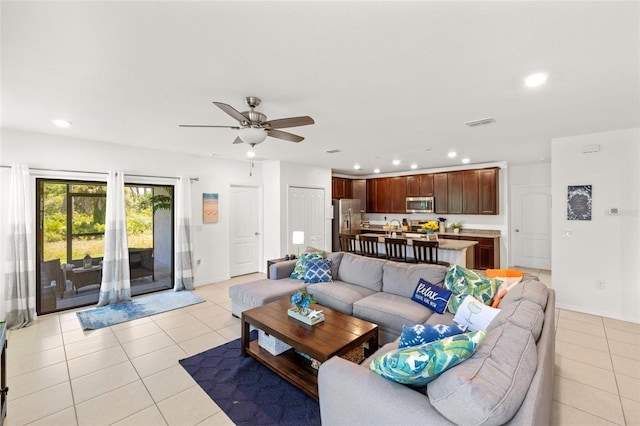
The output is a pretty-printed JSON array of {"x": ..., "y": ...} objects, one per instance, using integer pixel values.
[
  {"x": 396, "y": 249},
  {"x": 369, "y": 246},
  {"x": 426, "y": 252},
  {"x": 348, "y": 243}
]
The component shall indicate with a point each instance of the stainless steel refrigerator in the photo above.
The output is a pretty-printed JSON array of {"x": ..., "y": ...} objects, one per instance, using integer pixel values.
[{"x": 346, "y": 219}]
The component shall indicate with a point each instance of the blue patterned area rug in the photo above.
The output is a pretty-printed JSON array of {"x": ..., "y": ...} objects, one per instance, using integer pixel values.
[
  {"x": 248, "y": 392},
  {"x": 105, "y": 316}
]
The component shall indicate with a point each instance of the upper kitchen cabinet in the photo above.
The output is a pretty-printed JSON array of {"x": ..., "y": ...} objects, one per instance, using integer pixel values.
[
  {"x": 440, "y": 192},
  {"x": 378, "y": 196},
  {"x": 398, "y": 193},
  {"x": 454, "y": 193},
  {"x": 470, "y": 194},
  {"x": 341, "y": 188},
  {"x": 488, "y": 191},
  {"x": 413, "y": 186},
  {"x": 426, "y": 185},
  {"x": 359, "y": 187}
]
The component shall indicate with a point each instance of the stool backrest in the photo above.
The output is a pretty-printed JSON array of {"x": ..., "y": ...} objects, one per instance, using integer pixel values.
[
  {"x": 369, "y": 246},
  {"x": 425, "y": 251},
  {"x": 396, "y": 249}
]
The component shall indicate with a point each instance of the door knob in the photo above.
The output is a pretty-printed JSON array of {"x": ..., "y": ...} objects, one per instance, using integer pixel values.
[
  {"x": 517, "y": 230},
  {"x": 256, "y": 233}
]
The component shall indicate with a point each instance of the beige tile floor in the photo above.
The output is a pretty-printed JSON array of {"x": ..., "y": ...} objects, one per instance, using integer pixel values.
[{"x": 128, "y": 374}]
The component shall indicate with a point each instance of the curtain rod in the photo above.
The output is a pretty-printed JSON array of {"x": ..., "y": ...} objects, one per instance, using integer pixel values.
[{"x": 99, "y": 173}]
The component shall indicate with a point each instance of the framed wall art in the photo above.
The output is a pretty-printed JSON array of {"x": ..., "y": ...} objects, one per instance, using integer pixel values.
[
  {"x": 209, "y": 208},
  {"x": 579, "y": 199}
]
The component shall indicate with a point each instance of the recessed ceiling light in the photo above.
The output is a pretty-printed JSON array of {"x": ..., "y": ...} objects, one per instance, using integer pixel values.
[
  {"x": 414, "y": 166},
  {"x": 396, "y": 162},
  {"x": 61, "y": 123},
  {"x": 356, "y": 166},
  {"x": 465, "y": 161},
  {"x": 452, "y": 154},
  {"x": 535, "y": 80},
  {"x": 376, "y": 170}
]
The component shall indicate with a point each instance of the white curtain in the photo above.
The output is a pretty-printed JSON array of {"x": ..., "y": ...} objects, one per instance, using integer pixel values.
[
  {"x": 116, "y": 285},
  {"x": 19, "y": 277},
  {"x": 183, "y": 248}
]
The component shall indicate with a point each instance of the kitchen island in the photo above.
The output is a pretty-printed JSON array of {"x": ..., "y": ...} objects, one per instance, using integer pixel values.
[{"x": 460, "y": 252}]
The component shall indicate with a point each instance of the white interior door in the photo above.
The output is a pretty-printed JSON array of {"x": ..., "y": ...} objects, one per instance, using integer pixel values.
[
  {"x": 245, "y": 227},
  {"x": 531, "y": 226},
  {"x": 306, "y": 213}
]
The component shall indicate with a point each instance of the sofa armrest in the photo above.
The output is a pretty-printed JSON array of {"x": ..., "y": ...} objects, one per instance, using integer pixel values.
[
  {"x": 282, "y": 269},
  {"x": 352, "y": 394}
]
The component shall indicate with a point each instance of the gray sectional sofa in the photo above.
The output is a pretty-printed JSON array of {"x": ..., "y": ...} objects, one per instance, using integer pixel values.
[{"x": 509, "y": 380}]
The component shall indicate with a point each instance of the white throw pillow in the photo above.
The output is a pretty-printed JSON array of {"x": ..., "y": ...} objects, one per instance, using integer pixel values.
[{"x": 475, "y": 314}]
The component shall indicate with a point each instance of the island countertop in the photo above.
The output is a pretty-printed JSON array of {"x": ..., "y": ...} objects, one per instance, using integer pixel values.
[
  {"x": 444, "y": 244},
  {"x": 474, "y": 233}
]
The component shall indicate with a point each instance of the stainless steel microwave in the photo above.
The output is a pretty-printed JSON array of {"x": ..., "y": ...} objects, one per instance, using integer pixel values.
[{"x": 420, "y": 204}]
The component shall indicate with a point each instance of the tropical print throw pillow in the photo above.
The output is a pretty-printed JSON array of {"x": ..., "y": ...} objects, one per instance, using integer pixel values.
[
  {"x": 300, "y": 269},
  {"x": 418, "y": 365},
  {"x": 464, "y": 282},
  {"x": 420, "y": 334}
]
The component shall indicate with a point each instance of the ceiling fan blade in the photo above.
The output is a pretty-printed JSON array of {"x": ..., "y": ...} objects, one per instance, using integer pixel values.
[
  {"x": 206, "y": 125},
  {"x": 290, "y": 122},
  {"x": 279, "y": 134},
  {"x": 232, "y": 112},
  {"x": 238, "y": 140}
]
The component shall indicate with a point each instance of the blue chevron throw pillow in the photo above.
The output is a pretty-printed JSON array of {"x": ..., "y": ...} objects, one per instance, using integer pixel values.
[{"x": 318, "y": 271}]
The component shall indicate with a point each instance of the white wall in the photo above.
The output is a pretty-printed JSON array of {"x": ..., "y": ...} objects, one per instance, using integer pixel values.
[
  {"x": 210, "y": 241},
  {"x": 606, "y": 247},
  {"x": 282, "y": 175}
]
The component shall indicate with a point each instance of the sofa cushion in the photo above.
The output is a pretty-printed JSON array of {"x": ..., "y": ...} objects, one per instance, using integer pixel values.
[
  {"x": 339, "y": 295},
  {"x": 301, "y": 265},
  {"x": 418, "y": 365},
  {"x": 492, "y": 384},
  {"x": 420, "y": 334},
  {"x": 431, "y": 296},
  {"x": 336, "y": 259},
  {"x": 401, "y": 278},
  {"x": 390, "y": 311},
  {"x": 362, "y": 271},
  {"x": 474, "y": 314},
  {"x": 523, "y": 313},
  {"x": 528, "y": 289},
  {"x": 260, "y": 292},
  {"x": 462, "y": 282},
  {"x": 318, "y": 271}
]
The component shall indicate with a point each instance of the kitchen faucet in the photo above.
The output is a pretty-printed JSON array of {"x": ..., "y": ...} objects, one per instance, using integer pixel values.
[{"x": 399, "y": 225}]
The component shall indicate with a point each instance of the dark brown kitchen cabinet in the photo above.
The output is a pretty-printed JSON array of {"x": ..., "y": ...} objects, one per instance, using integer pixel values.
[
  {"x": 426, "y": 185},
  {"x": 398, "y": 194},
  {"x": 488, "y": 191},
  {"x": 470, "y": 195},
  {"x": 378, "y": 196},
  {"x": 454, "y": 193},
  {"x": 340, "y": 188},
  {"x": 413, "y": 186},
  {"x": 359, "y": 190},
  {"x": 487, "y": 253},
  {"x": 440, "y": 192}
]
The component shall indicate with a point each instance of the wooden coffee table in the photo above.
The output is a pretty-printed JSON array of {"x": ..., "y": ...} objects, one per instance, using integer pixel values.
[{"x": 336, "y": 335}]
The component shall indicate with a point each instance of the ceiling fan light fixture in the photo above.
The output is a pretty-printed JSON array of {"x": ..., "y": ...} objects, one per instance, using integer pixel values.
[{"x": 252, "y": 135}]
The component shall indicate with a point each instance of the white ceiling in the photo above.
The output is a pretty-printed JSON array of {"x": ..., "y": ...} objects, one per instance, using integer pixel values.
[{"x": 383, "y": 80}]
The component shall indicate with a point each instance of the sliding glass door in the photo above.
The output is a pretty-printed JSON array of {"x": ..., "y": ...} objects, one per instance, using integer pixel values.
[{"x": 70, "y": 240}]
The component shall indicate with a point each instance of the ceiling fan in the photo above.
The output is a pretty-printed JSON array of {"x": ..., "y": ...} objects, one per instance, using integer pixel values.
[{"x": 253, "y": 127}]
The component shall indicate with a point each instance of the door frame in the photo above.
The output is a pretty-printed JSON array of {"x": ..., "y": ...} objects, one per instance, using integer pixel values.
[{"x": 260, "y": 213}]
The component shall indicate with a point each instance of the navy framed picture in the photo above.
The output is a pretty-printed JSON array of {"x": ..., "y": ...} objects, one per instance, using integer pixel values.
[{"x": 579, "y": 199}]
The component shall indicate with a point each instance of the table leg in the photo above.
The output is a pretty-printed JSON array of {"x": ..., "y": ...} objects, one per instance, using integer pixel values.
[
  {"x": 244, "y": 337},
  {"x": 373, "y": 345}
]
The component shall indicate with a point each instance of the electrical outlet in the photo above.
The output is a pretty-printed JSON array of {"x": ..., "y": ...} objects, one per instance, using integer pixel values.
[{"x": 600, "y": 284}]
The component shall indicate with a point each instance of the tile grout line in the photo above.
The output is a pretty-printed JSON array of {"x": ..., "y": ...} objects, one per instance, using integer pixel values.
[{"x": 615, "y": 377}]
